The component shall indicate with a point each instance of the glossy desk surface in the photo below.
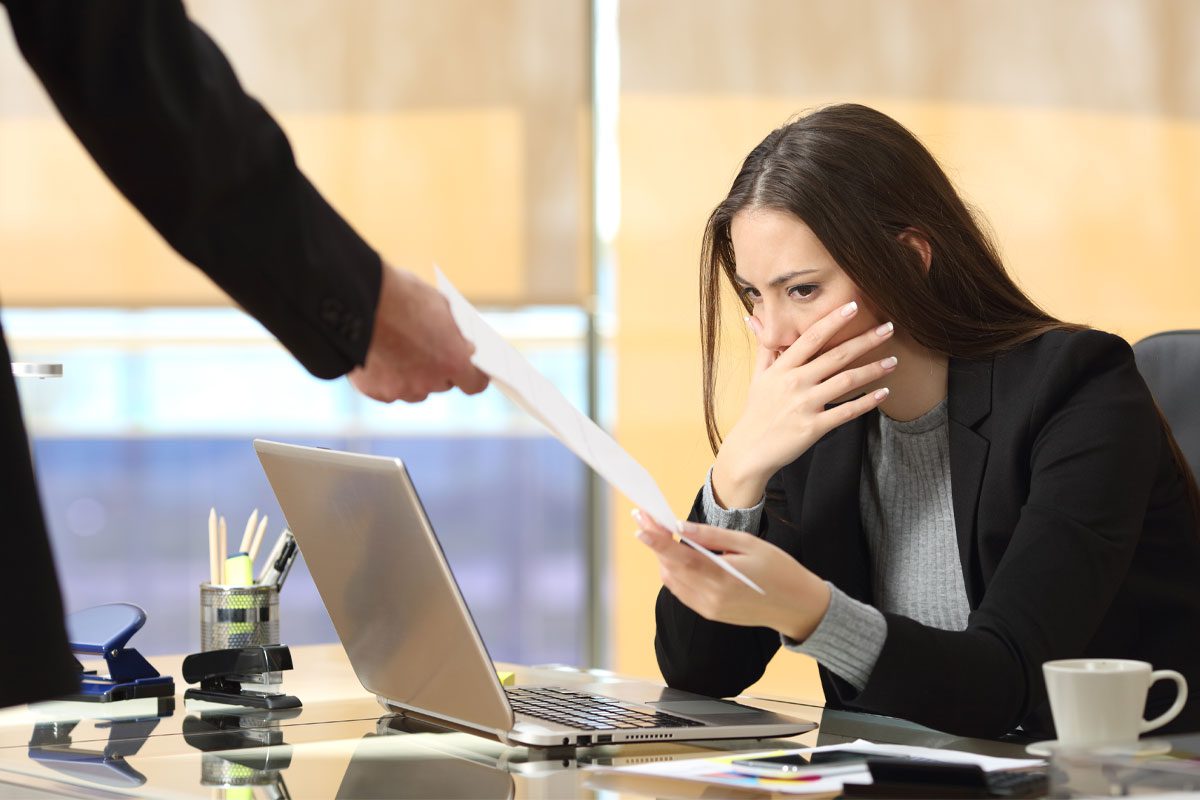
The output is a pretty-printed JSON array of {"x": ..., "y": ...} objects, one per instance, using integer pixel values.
[{"x": 343, "y": 744}]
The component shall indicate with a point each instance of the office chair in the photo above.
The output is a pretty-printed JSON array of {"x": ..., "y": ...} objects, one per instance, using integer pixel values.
[{"x": 1170, "y": 363}]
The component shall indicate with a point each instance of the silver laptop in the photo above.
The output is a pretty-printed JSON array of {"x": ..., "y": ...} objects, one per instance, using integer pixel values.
[{"x": 409, "y": 635}]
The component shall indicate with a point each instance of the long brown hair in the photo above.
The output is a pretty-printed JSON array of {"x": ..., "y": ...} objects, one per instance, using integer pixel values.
[{"x": 857, "y": 179}]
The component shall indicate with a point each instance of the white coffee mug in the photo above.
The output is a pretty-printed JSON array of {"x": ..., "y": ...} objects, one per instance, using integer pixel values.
[{"x": 1099, "y": 701}]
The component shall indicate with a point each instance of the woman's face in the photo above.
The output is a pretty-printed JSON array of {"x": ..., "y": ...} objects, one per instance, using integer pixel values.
[{"x": 790, "y": 279}]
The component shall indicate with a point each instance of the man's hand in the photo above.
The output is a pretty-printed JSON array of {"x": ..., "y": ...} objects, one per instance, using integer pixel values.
[{"x": 416, "y": 349}]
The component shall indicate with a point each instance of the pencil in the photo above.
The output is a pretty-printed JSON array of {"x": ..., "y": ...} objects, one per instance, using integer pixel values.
[
  {"x": 214, "y": 562},
  {"x": 249, "y": 534},
  {"x": 256, "y": 542},
  {"x": 223, "y": 544}
]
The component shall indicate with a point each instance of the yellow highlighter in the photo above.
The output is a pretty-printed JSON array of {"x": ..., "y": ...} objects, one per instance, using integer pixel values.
[{"x": 239, "y": 570}]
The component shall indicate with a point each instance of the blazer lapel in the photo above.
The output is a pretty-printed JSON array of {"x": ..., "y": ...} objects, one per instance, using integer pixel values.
[
  {"x": 831, "y": 534},
  {"x": 970, "y": 392}
]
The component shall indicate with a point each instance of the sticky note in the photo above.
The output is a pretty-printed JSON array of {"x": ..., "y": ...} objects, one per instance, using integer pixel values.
[{"x": 506, "y": 678}]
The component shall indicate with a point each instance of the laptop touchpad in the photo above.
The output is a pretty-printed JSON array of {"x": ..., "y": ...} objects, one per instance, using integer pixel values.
[{"x": 700, "y": 707}]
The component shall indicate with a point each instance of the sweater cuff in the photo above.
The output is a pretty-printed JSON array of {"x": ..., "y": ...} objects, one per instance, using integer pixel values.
[
  {"x": 848, "y": 639},
  {"x": 734, "y": 519}
]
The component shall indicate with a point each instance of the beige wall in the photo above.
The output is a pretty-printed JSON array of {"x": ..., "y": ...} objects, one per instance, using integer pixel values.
[
  {"x": 455, "y": 131},
  {"x": 1074, "y": 127}
]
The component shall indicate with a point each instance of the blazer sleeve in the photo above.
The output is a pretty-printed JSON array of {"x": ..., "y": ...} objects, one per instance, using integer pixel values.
[
  {"x": 1096, "y": 445},
  {"x": 715, "y": 658},
  {"x": 160, "y": 110}
]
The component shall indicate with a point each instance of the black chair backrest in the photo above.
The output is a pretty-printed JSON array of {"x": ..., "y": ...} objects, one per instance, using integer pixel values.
[{"x": 1170, "y": 363}]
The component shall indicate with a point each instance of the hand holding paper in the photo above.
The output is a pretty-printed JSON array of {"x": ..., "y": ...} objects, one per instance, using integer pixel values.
[{"x": 532, "y": 391}]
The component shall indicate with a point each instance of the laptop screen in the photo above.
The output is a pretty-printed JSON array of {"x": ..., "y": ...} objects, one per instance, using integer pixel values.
[{"x": 384, "y": 579}]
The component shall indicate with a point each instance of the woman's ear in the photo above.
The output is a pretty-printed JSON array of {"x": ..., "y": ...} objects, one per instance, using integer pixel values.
[{"x": 917, "y": 241}]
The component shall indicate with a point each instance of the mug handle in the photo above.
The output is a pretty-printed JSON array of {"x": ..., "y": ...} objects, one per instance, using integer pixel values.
[{"x": 1173, "y": 711}]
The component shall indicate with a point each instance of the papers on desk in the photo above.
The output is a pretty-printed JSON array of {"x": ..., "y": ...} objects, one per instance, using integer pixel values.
[
  {"x": 717, "y": 770},
  {"x": 532, "y": 391}
]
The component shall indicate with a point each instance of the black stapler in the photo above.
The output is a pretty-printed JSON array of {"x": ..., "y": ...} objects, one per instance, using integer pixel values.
[
  {"x": 221, "y": 674},
  {"x": 105, "y": 631}
]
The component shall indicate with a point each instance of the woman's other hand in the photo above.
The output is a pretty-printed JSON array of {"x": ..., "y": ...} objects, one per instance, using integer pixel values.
[
  {"x": 793, "y": 602},
  {"x": 785, "y": 411}
]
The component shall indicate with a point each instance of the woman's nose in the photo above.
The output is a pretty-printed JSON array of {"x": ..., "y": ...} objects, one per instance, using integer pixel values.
[{"x": 778, "y": 332}]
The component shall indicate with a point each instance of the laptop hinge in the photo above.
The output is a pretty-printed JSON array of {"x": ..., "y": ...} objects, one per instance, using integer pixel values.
[{"x": 442, "y": 722}]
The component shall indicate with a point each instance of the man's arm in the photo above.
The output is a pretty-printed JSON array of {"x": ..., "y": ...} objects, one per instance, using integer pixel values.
[{"x": 161, "y": 111}]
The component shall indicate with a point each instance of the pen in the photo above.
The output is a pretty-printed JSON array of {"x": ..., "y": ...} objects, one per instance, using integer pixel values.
[
  {"x": 278, "y": 566},
  {"x": 272, "y": 556},
  {"x": 291, "y": 550}
]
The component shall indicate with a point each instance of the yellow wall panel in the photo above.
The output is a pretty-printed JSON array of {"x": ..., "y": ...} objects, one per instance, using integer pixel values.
[
  {"x": 455, "y": 131},
  {"x": 444, "y": 185},
  {"x": 441, "y": 186}
]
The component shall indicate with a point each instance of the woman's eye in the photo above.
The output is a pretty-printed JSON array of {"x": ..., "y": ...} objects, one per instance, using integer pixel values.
[
  {"x": 750, "y": 295},
  {"x": 803, "y": 291}
]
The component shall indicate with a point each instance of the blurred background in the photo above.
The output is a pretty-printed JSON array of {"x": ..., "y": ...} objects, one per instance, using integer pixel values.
[{"x": 557, "y": 158}]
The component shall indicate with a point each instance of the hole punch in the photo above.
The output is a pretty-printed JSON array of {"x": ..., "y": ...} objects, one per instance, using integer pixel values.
[{"x": 105, "y": 631}]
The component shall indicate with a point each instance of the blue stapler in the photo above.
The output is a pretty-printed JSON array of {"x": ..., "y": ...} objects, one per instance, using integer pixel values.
[{"x": 105, "y": 631}]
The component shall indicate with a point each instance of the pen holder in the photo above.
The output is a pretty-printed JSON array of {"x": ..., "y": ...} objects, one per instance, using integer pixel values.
[{"x": 238, "y": 616}]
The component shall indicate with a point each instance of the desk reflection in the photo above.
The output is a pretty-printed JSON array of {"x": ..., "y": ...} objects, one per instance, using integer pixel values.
[
  {"x": 344, "y": 745},
  {"x": 242, "y": 748},
  {"x": 379, "y": 769},
  {"x": 51, "y": 746}
]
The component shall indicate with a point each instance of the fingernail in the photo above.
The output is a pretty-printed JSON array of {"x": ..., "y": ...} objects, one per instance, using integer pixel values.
[
  {"x": 637, "y": 515},
  {"x": 849, "y": 308},
  {"x": 884, "y": 329},
  {"x": 746, "y": 320},
  {"x": 889, "y": 362},
  {"x": 642, "y": 537},
  {"x": 882, "y": 393}
]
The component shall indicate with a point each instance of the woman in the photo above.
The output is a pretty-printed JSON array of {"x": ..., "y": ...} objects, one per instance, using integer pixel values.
[{"x": 937, "y": 485}]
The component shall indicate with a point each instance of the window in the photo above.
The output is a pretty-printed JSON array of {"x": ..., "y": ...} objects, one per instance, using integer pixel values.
[{"x": 152, "y": 421}]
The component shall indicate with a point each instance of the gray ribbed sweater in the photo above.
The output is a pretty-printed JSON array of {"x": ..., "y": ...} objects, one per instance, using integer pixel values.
[{"x": 908, "y": 517}]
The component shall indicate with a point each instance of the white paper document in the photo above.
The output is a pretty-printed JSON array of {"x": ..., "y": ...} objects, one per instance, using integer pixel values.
[
  {"x": 718, "y": 769},
  {"x": 512, "y": 373}
]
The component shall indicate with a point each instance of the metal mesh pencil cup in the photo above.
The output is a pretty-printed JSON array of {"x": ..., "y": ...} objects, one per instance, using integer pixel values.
[
  {"x": 220, "y": 772},
  {"x": 238, "y": 616}
]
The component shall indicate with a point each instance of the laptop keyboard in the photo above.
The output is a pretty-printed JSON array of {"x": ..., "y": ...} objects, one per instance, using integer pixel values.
[{"x": 581, "y": 710}]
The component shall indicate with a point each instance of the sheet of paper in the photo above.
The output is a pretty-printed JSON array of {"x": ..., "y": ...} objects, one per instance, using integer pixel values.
[
  {"x": 512, "y": 373},
  {"x": 717, "y": 769}
]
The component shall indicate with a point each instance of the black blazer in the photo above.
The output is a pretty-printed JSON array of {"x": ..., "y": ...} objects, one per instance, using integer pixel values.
[
  {"x": 1074, "y": 529},
  {"x": 160, "y": 110}
]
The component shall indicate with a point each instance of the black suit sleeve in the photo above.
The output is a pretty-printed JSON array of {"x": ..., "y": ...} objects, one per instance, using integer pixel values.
[
  {"x": 159, "y": 108},
  {"x": 35, "y": 662},
  {"x": 715, "y": 658}
]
